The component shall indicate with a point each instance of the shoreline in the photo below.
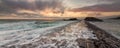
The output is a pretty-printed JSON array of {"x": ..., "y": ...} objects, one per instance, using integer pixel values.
[{"x": 79, "y": 34}]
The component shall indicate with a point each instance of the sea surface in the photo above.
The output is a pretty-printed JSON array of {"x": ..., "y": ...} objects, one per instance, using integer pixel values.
[
  {"x": 24, "y": 31},
  {"x": 18, "y": 25}
]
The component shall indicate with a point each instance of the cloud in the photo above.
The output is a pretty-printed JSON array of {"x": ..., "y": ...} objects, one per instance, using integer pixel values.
[
  {"x": 104, "y": 5},
  {"x": 108, "y": 0},
  {"x": 48, "y": 4},
  {"x": 33, "y": 4},
  {"x": 114, "y": 7}
]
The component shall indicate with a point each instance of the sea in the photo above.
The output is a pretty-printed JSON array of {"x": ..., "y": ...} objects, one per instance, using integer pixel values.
[
  {"x": 24, "y": 32},
  {"x": 11, "y": 31}
]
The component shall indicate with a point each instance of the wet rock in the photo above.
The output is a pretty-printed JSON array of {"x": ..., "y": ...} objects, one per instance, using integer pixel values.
[
  {"x": 12, "y": 47},
  {"x": 70, "y": 39},
  {"x": 93, "y": 19},
  {"x": 71, "y": 19},
  {"x": 116, "y": 18},
  {"x": 105, "y": 40}
]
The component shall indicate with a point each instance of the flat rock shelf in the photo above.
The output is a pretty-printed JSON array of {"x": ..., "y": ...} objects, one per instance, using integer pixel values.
[{"x": 81, "y": 34}]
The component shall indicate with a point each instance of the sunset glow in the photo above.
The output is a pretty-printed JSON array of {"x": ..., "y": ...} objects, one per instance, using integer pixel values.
[
  {"x": 61, "y": 8},
  {"x": 55, "y": 13}
]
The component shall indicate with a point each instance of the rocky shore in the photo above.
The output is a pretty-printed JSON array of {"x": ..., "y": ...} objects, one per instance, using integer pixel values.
[{"x": 75, "y": 35}]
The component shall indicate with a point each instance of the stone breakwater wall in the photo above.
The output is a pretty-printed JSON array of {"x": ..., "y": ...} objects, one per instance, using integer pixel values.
[{"x": 105, "y": 39}]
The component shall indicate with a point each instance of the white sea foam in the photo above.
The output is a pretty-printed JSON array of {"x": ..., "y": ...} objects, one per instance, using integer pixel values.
[
  {"x": 65, "y": 38},
  {"x": 23, "y": 35}
]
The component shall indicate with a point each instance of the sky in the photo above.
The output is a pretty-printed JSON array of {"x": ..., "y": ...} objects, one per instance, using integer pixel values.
[{"x": 61, "y": 8}]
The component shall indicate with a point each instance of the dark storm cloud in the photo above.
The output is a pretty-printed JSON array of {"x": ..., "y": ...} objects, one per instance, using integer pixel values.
[
  {"x": 48, "y": 4},
  {"x": 36, "y": 4},
  {"x": 105, "y": 5},
  {"x": 114, "y": 7}
]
